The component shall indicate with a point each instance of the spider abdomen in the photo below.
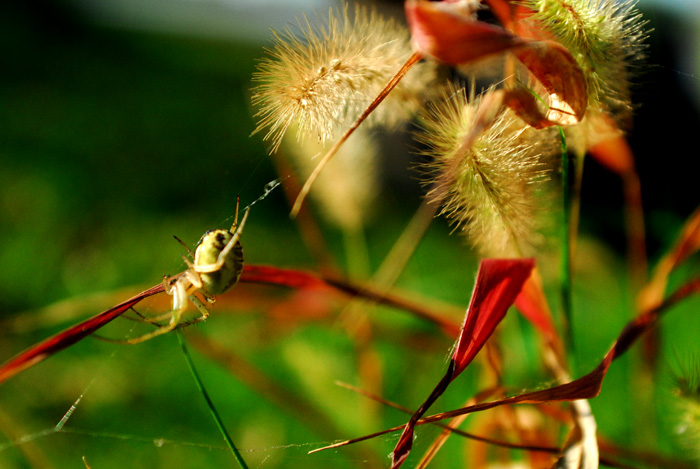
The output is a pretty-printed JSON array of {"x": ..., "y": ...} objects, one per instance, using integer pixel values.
[{"x": 207, "y": 252}]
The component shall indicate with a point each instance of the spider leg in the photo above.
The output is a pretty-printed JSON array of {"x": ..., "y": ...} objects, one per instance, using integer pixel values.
[
  {"x": 174, "y": 320},
  {"x": 189, "y": 251},
  {"x": 180, "y": 292},
  {"x": 156, "y": 319},
  {"x": 202, "y": 309}
]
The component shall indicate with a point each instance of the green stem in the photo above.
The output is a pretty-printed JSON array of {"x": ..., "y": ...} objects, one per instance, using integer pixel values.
[
  {"x": 565, "y": 255},
  {"x": 212, "y": 409}
]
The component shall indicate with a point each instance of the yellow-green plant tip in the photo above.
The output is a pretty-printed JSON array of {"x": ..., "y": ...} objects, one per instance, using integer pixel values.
[
  {"x": 607, "y": 39},
  {"x": 491, "y": 195}
]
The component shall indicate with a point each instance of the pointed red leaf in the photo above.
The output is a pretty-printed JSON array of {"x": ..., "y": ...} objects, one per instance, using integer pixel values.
[
  {"x": 687, "y": 244},
  {"x": 70, "y": 336},
  {"x": 498, "y": 283},
  {"x": 586, "y": 387},
  {"x": 252, "y": 274},
  {"x": 290, "y": 278},
  {"x": 528, "y": 107},
  {"x": 610, "y": 147},
  {"x": 532, "y": 303},
  {"x": 298, "y": 279},
  {"x": 445, "y": 31}
]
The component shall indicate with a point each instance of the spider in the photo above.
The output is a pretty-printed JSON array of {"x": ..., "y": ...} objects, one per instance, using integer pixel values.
[{"x": 215, "y": 267}]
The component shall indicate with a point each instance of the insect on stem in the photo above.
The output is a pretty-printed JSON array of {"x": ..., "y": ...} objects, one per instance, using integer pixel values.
[{"x": 336, "y": 146}]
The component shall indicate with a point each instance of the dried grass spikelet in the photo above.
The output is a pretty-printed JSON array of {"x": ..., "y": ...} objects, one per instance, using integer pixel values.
[
  {"x": 322, "y": 78},
  {"x": 607, "y": 39},
  {"x": 345, "y": 191},
  {"x": 492, "y": 195}
]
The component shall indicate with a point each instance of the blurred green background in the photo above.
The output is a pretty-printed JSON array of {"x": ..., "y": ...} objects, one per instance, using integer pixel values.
[{"x": 118, "y": 133}]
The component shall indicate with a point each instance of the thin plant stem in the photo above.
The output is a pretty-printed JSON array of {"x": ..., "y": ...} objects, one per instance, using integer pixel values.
[
  {"x": 356, "y": 253},
  {"x": 210, "y": 404},
  {"x": 565, "y": 254},
  {"x": 334, "y": 149},
  {"x": 403, "y": 249}
]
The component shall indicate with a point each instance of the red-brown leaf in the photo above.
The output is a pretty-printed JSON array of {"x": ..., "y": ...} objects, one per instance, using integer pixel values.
[
  {"x": 687, "y": 244},
  {"x": 443, "y": 30},
  {"x": 557, "y": 70},
  {"x": 530, "y": 109},
  {"x": 290, "y": 278},
  {"x": 498, "y": 283},
  {"x": 612, "y": 151},
  {"x": 532, "y": 303},
  {"x": 586, "y": 387},
  {"x": 70, "y": 336}
]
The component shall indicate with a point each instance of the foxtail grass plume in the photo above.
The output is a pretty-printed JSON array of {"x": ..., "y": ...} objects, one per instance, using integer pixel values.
[
  {"x": 322, "y": 78},
  {"x": 491, "y": 193},
  {"x": 607, "y": 39}
]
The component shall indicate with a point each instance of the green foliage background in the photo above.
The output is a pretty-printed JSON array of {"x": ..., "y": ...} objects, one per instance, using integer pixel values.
[{"x": 112, "y": 141}]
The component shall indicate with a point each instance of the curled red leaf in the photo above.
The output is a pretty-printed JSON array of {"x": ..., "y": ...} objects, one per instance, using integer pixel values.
[
  {"x": 559, "y": 73},
  {"x": 445, "y": 31}
]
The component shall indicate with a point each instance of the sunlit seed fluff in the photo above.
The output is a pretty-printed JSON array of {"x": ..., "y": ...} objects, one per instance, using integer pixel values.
[
  {"x": 345, "y": 191},
  {"x": 607, "y": 39},
  {"x": 492, "y": 196},
  {"x": 322, "y": 78}
]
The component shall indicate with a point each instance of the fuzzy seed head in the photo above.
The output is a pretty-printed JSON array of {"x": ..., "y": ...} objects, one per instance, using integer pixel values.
[
  {"x": 322, "y": 78},
  {"x": 491, "y": 190},
  {"x": 606, "y": 38}
]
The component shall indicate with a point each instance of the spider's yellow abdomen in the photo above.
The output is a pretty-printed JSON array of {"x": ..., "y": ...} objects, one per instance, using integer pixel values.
[{"x": 207, "y": 253}]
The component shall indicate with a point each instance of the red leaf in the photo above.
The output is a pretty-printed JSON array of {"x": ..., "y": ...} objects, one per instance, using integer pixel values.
[
  {"x": 74, "y": 334},
  {"x": 290, "y": 278},
  {"x": 445, "y": 31},
  {"x": 686, "y": 245},
  {"x": 516, "y": 16},
  {"x": 303, "y": 280},
  {"x": 532, "y": 303},
  {"x": 612, "y": 152},
  {"x": 503, "y": 10},
  {"x": 527, "y": 27},
  {"x": 70, "y": 336},
  {"x": 498, "y": 283},
  {"x": 557, "y": 70},
  {"x": 252, "y": 274},
  {"x": 586, "y": 387}
]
